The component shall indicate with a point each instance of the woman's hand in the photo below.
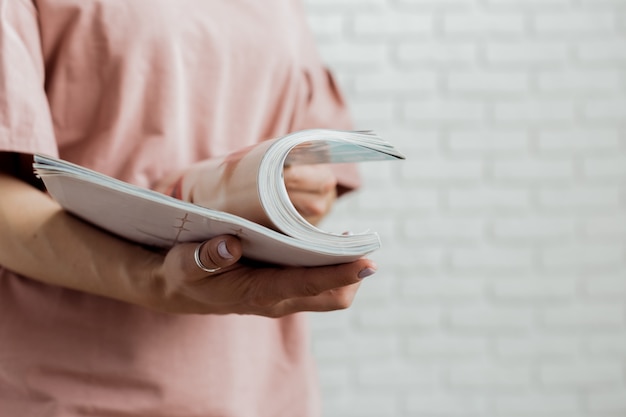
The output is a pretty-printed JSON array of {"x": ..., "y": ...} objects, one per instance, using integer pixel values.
[
  {"x": 312, "y": 190},
  {"x": 42, "y": 241},
  {"x": 231, "y": 188},
  {"x": 243, "y": 289}
]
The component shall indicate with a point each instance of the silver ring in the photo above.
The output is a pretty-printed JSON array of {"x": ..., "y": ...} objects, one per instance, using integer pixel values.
[{"x": 196, "y": 257}]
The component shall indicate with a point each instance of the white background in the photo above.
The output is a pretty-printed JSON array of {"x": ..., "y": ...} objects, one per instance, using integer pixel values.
[{"x": 502, "y": 281}]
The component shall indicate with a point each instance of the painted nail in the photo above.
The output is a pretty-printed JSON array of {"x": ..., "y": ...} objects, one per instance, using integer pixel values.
[
  {"x": 222, "y": 250},
  {"x": 364, "y": 273}
]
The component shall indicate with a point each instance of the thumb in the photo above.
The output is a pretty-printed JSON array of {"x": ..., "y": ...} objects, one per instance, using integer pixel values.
[{"x": 199, "y": 260}]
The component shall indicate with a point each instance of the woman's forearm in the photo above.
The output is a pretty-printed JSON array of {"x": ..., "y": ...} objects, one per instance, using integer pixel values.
[{"x": 40, "y": 240}]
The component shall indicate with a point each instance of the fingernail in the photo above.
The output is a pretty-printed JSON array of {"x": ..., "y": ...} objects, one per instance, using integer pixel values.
[
  {"x": 364, "y": 273},
  {"x": 222, "y": 250}
]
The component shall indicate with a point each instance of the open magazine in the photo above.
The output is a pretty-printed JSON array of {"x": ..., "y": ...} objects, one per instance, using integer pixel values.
[{"x": 243, "y": 181}]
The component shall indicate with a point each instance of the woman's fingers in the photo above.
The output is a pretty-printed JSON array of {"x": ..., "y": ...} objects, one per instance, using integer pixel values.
[
  {"x": 335, "y": 299},
  {"x": 201, "y": 260},
  {"x": 234, "y": 287},
  {"x": 278, "y": 291},
  {"x": 312, "y": 189},
  {"x": 315, "y": 179},
  {"x": 312, "y": 206}
]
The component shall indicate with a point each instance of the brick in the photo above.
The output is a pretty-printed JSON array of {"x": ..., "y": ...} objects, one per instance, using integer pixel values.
[
  {"x": 579, "y": 139},
  {"x": 416, "y": 256},
  {"x": 489, "y": 375},
  {"x": 617, "y": 4},
  {"x": 611, "y": 287},
  {"x": 606, "y": 345},
  {"x": 351, "y": 5},
  {"x": 373, "y": 111},
  {"x": 445, "y": 228},
  {"x": 490, "y": 319},
  {"x": 336, "y": 376},
  {"x": 373, "y": 404},
  {"x": 447, "y": 346},
  {"x": 441, "y": 52},
  {"x": 413, "y": 142},
  {"x": 609, "y": 110},
  {"x": 537, "y": 347},
  {"x": 585, "y": 256},
  {"x": 356, "y": 347},
  {"x": 531, "y": 4},
  {"x": 353, "y": 56},
  {"x": 535, "y": 404},
  {"x": 488, "y": 82},
  {"x": 492, "y": 258},
  {"x": 480, "y": 22},
  {"x": 584, "y": 316},
  {"x": 535, "y": 111},
  {"x": 606, "y": 167},
  {"x": 392, "y": 24},
  {"x": 533, "y": 169},
  {"x": 487, "y": 198},
  {"x": 434, "y": 3},
  {"x": 605, "y": 226},
  {"x": 327, "y": 324},
  {"x": 445, "y": 404},
  {"x": 336, "y": 349},
  {"x": 572, "y": 197},
  {"x": 443, "y": 169},
  {"x": 574, "y": 22},
  {"x": 577, "y": 374},
  {"x": 594, "y": 51},
  {"x": 577, "y": 81},
  {"x": 386, "y": 373},
  {"x": 402, "y": 315},
  {"x": 534, "y": 229},
  {"x": 533, "y": 290},
  {"x": 327, "y": 26},
  {"x": 482, "y": 141},
  {"x": 397, "y": 83},
  {"x": 613, "y": 401},
  {"x": 381, "y": 174},
  {"x": 527, "y": 52},
  {"x": 397, "y": 197},
  {"x": 371, "y": 346},
  {"x": 425, "y": 288},
  {"x": 441, "y": 111},
  {"x": 376, "y": 292}
]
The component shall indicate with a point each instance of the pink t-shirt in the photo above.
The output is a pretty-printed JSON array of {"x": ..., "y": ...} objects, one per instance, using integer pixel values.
[{"x": 138, "y": 89}]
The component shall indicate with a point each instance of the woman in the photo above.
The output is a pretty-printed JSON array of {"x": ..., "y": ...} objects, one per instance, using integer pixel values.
[{"x": 145, "y": 90}]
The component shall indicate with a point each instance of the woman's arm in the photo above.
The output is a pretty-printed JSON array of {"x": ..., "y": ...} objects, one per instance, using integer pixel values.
[{"x": 40, "y": 240}]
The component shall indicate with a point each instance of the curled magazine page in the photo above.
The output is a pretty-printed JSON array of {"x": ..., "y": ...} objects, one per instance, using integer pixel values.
[{"x": 313, "y": 147}]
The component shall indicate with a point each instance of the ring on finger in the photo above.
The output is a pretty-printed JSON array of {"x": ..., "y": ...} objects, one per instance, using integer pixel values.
[{"x": 196, "y": 257}]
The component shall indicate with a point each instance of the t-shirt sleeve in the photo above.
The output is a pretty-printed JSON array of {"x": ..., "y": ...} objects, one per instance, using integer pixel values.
[{"x": 25, "y": 119}]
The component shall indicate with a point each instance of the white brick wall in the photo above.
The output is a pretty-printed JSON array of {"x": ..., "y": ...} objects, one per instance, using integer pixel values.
[{"x": 502, "y": 282}]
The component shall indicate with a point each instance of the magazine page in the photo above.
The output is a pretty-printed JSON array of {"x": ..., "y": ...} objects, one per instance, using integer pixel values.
[
  {"x": 157, "y": 220},
  {"x": 245, "y": 190}
]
